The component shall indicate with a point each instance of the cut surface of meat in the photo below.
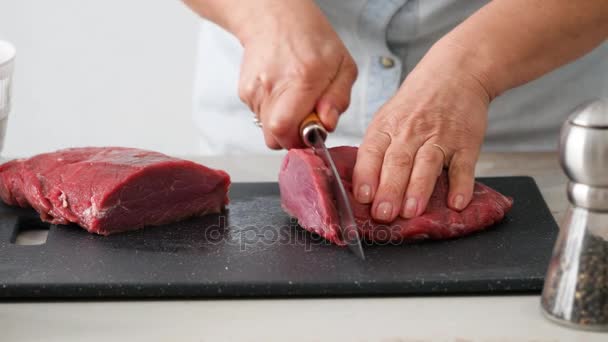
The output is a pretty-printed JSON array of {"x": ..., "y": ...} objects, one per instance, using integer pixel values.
[
  {"x": 305, "y": 187},
  {"x": 108, "y": 190}
]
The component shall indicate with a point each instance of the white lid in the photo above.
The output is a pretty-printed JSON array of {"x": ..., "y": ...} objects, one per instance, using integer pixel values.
[{"x": 593, "y": 114}]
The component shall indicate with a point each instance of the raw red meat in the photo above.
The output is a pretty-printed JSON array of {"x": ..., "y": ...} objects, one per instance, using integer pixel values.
[
  {"x": 112, "y": 189},
  {"x": 305, "y": 194}
]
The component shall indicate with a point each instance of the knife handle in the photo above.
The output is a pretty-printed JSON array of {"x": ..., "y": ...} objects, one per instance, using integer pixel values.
[{"x": 309, "y": 124}]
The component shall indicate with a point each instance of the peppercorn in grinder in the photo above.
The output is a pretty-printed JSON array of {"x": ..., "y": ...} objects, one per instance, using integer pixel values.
[{"x": 576, "y": 286}]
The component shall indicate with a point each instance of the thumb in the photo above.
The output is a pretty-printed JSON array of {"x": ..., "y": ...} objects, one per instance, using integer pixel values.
[{"x": 336, "y": 97}]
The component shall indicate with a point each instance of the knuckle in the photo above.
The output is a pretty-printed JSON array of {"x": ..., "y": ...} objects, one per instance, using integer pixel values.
[
  {"x": 462, "y": 168},
  {"x": 265, "y": 82},
  {"x": 246, "y": 91},
  {"x": 391, "y": 121},
  {"x": 372, "y": 149},
  {"x": 401, "y": 159},
  {"x": 391, "y": 187},
  {"x": 250, "y": 87},
  {"x": 393, "y": 126},
  {"x": 379, "y": 135},
  {"x": 430, "y": 157},
  {"x": 423, "y": 124},
  {"x": 351, "y": 68},
  {"x": 308, "y": 70},
  {"x": 278, "y": 127},
  {"x": 419, "y": 183}
]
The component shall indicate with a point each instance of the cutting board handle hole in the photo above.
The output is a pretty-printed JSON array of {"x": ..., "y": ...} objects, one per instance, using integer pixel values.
[{"x": 30, "y": 232}]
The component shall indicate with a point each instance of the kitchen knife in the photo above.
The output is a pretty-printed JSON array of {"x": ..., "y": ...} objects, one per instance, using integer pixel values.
[{"x": 314, "y": 135}]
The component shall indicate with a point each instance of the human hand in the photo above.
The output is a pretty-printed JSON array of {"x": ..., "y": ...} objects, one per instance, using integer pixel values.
[
  {"x": 440, "y": 103},
  {"x": 294, "y": 63}
]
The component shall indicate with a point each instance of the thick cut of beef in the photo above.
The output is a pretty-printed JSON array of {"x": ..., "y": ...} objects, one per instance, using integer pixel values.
[
  {"x": 112, "y": 189},
  {"x": 306, "y": 195}
]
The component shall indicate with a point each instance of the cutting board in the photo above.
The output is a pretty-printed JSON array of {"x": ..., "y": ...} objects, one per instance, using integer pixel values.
[{"x": 255, "y": 250}]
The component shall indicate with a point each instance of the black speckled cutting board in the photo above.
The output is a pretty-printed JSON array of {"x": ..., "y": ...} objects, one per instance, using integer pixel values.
[{"x": 255, "y": 250}]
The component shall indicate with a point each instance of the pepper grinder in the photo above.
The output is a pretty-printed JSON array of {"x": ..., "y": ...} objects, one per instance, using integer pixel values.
[{"x": 575, "y": 292}]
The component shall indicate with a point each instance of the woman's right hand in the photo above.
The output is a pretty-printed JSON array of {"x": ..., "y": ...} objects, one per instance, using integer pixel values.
[{"x": 294, "y": 63}]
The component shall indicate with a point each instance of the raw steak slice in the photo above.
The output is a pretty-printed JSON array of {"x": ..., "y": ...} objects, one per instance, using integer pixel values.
[
  {"x": 112, "y": 189},
  {"x": 305, "y": 195}
]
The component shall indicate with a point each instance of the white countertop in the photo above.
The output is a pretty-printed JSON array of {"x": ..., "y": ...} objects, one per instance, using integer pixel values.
[{"x": 458, "y": 319}]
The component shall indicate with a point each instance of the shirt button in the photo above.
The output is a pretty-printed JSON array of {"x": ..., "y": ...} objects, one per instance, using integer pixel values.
[{"x": 387, "y": 62}]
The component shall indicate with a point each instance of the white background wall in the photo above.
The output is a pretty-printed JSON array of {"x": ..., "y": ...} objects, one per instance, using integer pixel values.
[{"x": 111, "y": 72}]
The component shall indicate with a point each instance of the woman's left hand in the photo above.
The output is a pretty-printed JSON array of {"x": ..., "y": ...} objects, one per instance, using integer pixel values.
[{"x": 441, "y": 108}]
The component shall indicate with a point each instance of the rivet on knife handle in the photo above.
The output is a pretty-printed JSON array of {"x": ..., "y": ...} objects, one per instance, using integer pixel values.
[{"x": 310, "y": 123}]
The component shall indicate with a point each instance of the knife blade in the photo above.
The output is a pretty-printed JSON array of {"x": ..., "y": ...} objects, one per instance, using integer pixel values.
[{"x": 314, "y": 135}]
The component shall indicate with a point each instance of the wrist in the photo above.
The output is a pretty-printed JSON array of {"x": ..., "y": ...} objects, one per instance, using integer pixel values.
[
  {"x": 474, "y": 63},
  {"x": 255, "y": 19}
]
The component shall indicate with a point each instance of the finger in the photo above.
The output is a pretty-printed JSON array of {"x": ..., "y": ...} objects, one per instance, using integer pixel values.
[
  {"x": 462, "y": 179},
  {"x": 394, "y": 177},
  {"x": 329, "y": 114},
  {"x": 252, "y": 87},
  {"x": 370, "y": 156},
  {"x": 270, "y": 141},
  {"x": 336, "y": 98},
  {"x": 251, "y": 93},
  {"x": 282, "y": 113},
  {"x": 428, "y": 165}
]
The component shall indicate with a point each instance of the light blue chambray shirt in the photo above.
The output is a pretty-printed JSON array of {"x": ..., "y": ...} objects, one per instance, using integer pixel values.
[{"x": 387, "y": 38}]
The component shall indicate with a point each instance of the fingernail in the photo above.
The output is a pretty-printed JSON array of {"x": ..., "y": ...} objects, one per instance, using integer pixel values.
[
  {"x": 411, "y": 205},
  {"x": 364, "y": 195},
  {"x": 459, "y": 202},
  {"x": 384, "y": 211}
]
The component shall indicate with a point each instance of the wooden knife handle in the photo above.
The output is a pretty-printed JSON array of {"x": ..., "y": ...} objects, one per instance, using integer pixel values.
[{"x": 309, "y": 124}]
